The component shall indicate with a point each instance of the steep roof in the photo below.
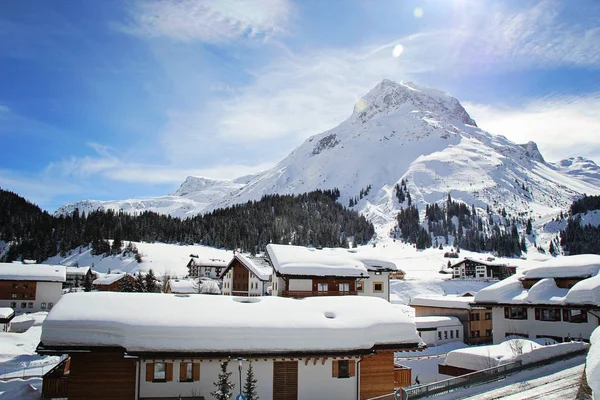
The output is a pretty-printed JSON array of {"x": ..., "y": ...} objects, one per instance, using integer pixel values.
[
  {"x": 77, "y": 270},
  {"x": 482, "y": 262},
  {"x": 32, "y": 272},
  {"x": 305, "y": 261},
  {"x": 545, "y": 290},
  {"x": 109, "y": 279},
  {"x": 218, "y": 324}
]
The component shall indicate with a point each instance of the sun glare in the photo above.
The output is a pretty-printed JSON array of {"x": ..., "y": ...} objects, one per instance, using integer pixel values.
[{"x": 398, "y": 50}]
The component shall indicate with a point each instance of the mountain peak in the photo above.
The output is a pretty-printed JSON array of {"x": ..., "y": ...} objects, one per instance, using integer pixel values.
[
  {"x": 389, "y": 96},
  {"x": 194, "y": 184},
  {"x": 533, "y": 152}
]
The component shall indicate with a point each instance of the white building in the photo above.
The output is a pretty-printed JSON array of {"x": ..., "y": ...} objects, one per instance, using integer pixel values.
[
  {"x": 247, "y": 276},
  {"x": 6, "y": 315},
  {"x": 317, "y": 348},
  {"x": 474, "y": 269},
  {"x": 76, "y": 276},
  {"x": 439, "y": 330},
  {"x": 558, "y": 299},
  {"x": 30, "y": 287},
  {"x": 303, "y": 272},
  {"x": 193, "y": 286},
  {"x": 211, "y": 267}
]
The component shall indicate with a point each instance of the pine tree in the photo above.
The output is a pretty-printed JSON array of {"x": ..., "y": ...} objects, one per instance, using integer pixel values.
[
  {"x": 223, "y": 385},
  {"x": 250, "y": 385},
  {"x": 151, "y": 282},
  {"x": 125, "y": 285},
  {"x": 529, "y": 228},
  {"x": 140, "y": 283},
  {"x": 87, "y": 284}
]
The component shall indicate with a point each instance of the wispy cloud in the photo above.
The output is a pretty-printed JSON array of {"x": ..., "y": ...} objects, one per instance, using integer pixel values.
[
  {"x": 562, "y": 126},
  {"x": 208, "y": 20}
]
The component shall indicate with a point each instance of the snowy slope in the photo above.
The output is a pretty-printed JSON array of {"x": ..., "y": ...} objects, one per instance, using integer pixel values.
[
  {"x": 193, "y": 196},
  {"x": 404, "y": 131}
]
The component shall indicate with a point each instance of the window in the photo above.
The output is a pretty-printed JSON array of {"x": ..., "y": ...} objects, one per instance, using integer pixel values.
[
  {"x": 575, "y": 316},
  {"x": 322, "y": 287},
  {"x": 475, "y": 334},
  {"x": 343, "y": 368},
  {"x": 186, "y": 373},
  {"x": 488, "y": 316},
  {"x": 359, "y": 287},
  {"x": 14, "y": 295},
  {"x": 378, "y": 287},
  {"x": 488, "y": 332},
  {"x": 25, "y": 286},
  {"x": 377, "y": 273},
  {"x": 547, "y": 314},
  {"x": 451, "y": 334},
  {"x": 474, "y": 317},
  {"x": 50, "y": 305},
  {"x": 13, "y": 304},
  {"x": 515, "y": 313},
  {"x": 445, "y": 335},
  {"x": 344, "y": 287},
  {"x": 23, "y": 305},
  {"x": 160, "y": 372},
  {"x": 439, "y": 335},
  {"x": 30, "y": 305},
  {"x": 457, "y": 334},
  {"x": 25, "y": 295},
  {"x": 15, "y": 285}
]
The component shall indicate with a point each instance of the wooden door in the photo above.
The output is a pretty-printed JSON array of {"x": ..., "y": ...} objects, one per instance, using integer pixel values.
[{"x": 285, "y": 380}]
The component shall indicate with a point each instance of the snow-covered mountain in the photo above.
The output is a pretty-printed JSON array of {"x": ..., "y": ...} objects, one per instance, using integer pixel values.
[
  {"x": 424, "y": 136},
  {"x": 399, "y": 131},
  {"x": 191, "y": 198}
]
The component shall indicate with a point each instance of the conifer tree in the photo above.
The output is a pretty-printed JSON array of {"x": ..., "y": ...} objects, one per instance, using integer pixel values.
[
  {"x": 223, "y": 385},
  {"x": 151, "y": 282},
  {"x": 140, "y": 283},
  {"x": 251, "y": 384},
  {"x": 125, "y": 285}
]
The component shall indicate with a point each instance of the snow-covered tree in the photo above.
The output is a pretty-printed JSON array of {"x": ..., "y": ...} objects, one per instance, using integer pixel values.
[
  {"x": 223, "y": 385},
  {"x": 251, "y": 384},
  {"x": 151, "y": 282},
  {"x": 126, "y": 285}
]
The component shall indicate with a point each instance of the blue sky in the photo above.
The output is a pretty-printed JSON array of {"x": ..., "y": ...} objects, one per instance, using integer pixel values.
[{"x": 121, "y": 99}]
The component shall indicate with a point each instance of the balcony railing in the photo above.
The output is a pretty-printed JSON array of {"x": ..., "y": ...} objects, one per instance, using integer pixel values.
[
  {"x": 55, "y": 382},
  {"x": 299, "y": 294}
]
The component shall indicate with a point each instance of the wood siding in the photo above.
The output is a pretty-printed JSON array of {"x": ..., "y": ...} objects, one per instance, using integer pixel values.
[
  {"x": 113, "y": 287},
  {"x": 285, "y": 380},
  {"x": 402, "y": 377},
  {"x": 24, "y": 290},
  {"x": 482, "y": 325},
  {"x": 101, "y": 376},
  {"x": 239, "y": 278},
  {"x": 377, "y": 375}
]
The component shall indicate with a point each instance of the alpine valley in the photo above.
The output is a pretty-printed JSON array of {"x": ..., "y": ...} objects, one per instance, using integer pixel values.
[{"x": 401, "y": 137}]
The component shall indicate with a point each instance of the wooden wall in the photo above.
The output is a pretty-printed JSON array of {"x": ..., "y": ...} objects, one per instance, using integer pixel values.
[
  {"x": 22, "y": 292},
  {"x": 101, "y": 376},
  {"x": 377, "y": 375}
]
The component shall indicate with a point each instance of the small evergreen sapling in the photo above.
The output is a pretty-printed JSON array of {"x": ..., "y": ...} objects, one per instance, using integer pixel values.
[
  {"x": 251, "y": 384},
  {"x": 223, "y": 385}
]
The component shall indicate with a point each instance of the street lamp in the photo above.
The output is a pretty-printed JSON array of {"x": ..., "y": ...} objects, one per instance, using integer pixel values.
[{"x": 241, "y": 395}]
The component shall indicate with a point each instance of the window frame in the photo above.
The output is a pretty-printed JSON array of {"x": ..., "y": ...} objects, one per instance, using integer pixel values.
[
  {"x": 375, "y": 287},
  {"x": 360, "y": 287},
  {"x": 155, "y": 371},
  {"x": 343, "y": 369}
]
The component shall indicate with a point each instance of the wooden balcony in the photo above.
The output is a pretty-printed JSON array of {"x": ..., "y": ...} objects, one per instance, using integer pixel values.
[
  {"x": 300, "y": 294},
  {"x": 402, "y": 377},
  {"x": 55, "y": 382}
]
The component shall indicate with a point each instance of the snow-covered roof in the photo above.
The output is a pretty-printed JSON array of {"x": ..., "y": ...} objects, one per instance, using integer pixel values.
[
  {"x": 6, "y": 312},
  {"x": 213, "y": 324},
  {"x": 32, "y": 272},
  {"x": 297, "y": 260},
  {"x": 108, "y": 279},
  {"x": 258, "y": 266},
  {"x": 441, "y": 301},
  {"x": 77, "y": 270},
  {"x": 483, "y": 262},
  {"x": 436, "y": 322},
  {"x": 545, "y": 290},
  {"x": 210, "y": 262},
  {"x": 188, "y": 286}
]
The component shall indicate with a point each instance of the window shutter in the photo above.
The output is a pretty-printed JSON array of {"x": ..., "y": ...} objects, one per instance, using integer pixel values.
[
  {"x": 196, "y": 371},
  {"x": 334, "y": 371},
  {"x": 169, "y": 372},
  {"x": 352, "y": 368},
  {"x": 537, "y": 314},
  {"x": 149, "y": 372},
  {"x": 557, "y": 314},
  {"x": 182, "y": 371},
  {"x": 506, "y": 312},
  {"x": 565, "y": 315},
  {"x": 524, "y": 313}
]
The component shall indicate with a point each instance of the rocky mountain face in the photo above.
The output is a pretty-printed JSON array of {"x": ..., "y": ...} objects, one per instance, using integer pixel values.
[{"x": 399, "y": 131}]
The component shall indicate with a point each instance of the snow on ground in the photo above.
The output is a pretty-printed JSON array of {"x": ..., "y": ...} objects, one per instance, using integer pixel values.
[
  {"x": 558, "y": 381},
  {"x": 162, "y": 258},
  {"x": 593, "y": 364},
  {"x": 28, "y": 389},
  {"x": 17, "y": 350},
  {"x": 424, "y": 364}
]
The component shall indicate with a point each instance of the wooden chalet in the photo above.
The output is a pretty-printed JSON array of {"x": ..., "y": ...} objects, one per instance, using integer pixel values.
[
  {"x": 471, "y": 268},
  {"x": 295, "y": 347},
  {"x": 211, "y": 267},
  {"x": 247, "y": 276},
  {"x": 30, "y": 287},
  {"x": 111, "y": 282}
]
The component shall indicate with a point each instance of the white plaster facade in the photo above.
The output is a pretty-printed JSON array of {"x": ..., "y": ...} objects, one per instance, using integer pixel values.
[
  {"x": 256, "y": 287},
  {"x": 533, "y": 328},
  {"x": 315, "y": 380},
  {"x": 436, "y": 333},
  {"x": 47, "y": 294},
  {"x": 370, "y": 286}
]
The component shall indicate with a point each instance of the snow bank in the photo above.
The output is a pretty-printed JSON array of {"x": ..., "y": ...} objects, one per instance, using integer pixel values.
[
  {"x": 202, "y": 323},
  {"x": 527, "y": 351},
  {"x": 436, "y": 322},
  {"x": 32, "y": 272},
  {"x": 193, "y": 286},
  {"x": 30, "y": 389},
  {"x": 585, "y": 292},
  {"x": 6, "y": 312},
  {"x": 592, "y": 365},
  {"x": 501, "y": 292},
  {"x": 544, "y": 291},
  {"x": 579, "y": 266},
  {"x": 297, "y": 260},
  {"x": 442, "y": 301}
]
